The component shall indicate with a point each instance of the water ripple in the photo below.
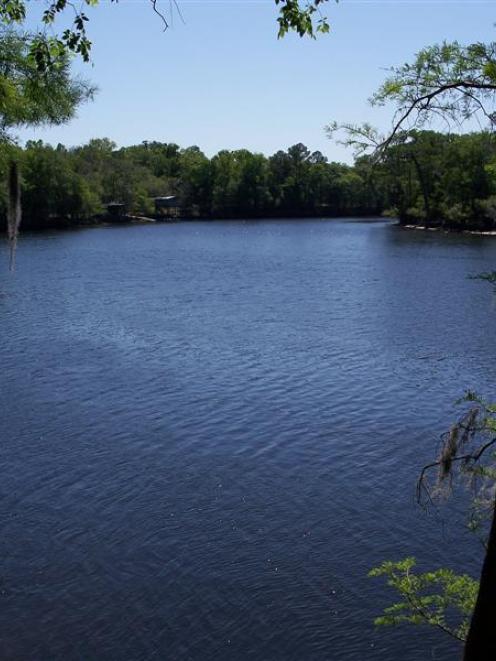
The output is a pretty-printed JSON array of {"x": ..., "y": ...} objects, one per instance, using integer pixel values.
[{"x": 211, "y": 432}]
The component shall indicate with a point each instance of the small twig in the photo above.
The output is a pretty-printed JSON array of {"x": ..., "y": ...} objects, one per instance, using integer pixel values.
[
  {"x": 178, "y": 9},
  {"x": 159, "y": 13}
]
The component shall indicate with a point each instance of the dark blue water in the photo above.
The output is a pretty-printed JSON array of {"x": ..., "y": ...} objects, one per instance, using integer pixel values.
[{"x": 211, "y": 432}]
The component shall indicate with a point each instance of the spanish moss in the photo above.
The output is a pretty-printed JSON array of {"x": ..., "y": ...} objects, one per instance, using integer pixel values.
[{"x": 14, "y": 211}]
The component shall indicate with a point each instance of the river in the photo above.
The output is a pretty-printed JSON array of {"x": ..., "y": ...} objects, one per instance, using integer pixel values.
[{"x": 210, "y": 432}]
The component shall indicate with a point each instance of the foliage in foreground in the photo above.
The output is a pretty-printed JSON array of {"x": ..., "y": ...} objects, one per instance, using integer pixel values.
[
  {"x": 62, "y": 27},
  {"x": 449, "y": 83},
  {"x": 29, "y": 98},
  {"x": 456, "y": 604},
  {"x": 438, "y": 598}
]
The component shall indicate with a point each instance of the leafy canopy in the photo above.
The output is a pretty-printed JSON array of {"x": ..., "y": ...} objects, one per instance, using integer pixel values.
[
  {"x": 450, "y": 82},
  {"x": 31, "y": 97},
  {"x": 28, "y": 97},
  {"x": 438, "y": 598},
  {"x": 301, "y": 16},
  {"x": 306, "y": 19},
  {"x": 447, "y": 80}
]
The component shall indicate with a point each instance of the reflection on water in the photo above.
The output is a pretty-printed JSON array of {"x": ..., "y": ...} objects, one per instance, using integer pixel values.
[{"x": 210, "y": 432}]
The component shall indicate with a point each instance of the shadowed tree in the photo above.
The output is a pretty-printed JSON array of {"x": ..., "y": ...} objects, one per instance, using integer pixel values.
[
  {"x": 29, "y": 97},
  {"x": 468, "y": 452}
]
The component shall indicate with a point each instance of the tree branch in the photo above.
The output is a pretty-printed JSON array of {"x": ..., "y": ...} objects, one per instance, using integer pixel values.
[{"x": 421, "y": 103}]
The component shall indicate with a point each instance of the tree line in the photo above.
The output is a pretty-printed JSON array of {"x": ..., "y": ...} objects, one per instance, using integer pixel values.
[
  {"x": 438, "y": 179},
  {"x": 428, "y": 179},
  {"x": 62, "y": 185}
]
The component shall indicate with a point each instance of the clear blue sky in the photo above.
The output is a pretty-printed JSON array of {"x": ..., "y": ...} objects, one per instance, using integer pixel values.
[{"x": 223, "y": 80}]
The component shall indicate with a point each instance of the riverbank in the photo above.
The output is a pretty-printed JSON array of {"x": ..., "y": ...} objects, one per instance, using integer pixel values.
[
  {"x": 448, "y": 230},
  {"x": 109, "y": 221},
  {"x": 105, "y": 220}
]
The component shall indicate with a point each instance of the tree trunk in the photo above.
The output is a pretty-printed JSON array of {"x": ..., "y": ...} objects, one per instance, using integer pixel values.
[
  {"x": 424, "y": 189},
  {"x": 481, "y": 640},
  {"x": 14, "y": 208}
]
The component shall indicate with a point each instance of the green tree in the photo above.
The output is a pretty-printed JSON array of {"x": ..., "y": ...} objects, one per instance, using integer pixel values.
[
  {"x": 448, "y": 79},
  {"x": 252, "y": 196},
  {"x": 440, "y": 598},
  {"x": 52, "y": 189},
  {"x": 195, "y": 179},
  {"x": 451, "y": 81},
  {"x": 28, "y": 97},
  {"x": 226, "y": 173}
]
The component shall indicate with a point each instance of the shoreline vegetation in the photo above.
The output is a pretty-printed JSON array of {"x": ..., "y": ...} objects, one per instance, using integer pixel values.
[
  {"x": 447, "y": 230},
  {"x": 104, "y": 221},
  {"x": 63, "y": 224},
  {"x": 107, "y": 220},
  {"x": 433, "y": 181}
]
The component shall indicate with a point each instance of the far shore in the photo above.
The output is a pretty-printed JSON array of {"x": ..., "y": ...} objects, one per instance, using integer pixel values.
[{"x": 448, "y": 230}]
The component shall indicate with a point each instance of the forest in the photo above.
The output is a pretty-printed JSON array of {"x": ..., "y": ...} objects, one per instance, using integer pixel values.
[{"x": 428, "y": 179}]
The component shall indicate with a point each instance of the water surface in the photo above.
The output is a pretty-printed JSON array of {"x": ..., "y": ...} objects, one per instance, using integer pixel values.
[{"x": 211, "y": 431}]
